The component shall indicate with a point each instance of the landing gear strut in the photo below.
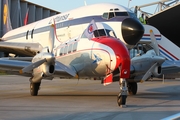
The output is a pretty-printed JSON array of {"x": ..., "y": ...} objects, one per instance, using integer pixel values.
[
  {"x": 121, "y": 98},
  {"x": 34, "y": 87},
  {"x": 132, "y": 88}
]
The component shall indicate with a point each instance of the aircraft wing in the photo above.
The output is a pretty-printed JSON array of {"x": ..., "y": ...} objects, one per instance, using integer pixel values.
[
  {"x": 14, "y": 66},
  {"x": 24, "y": 49},
  {"x": 170, "y": 67}
]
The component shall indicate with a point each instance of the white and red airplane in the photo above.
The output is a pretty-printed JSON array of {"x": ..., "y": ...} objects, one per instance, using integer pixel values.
[{"x": 92, "y": 44}]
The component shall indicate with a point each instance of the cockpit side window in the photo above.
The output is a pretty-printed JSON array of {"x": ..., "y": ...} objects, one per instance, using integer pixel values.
[
  {"x": 105, "y": 15},
  {"x": 110, "y": 33},
  {"x": 111, "y": 15},
  {"x": 100, "y": 32}
]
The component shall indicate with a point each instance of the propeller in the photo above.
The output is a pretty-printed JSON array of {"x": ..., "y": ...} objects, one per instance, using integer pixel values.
[
  {"x": 154, "y": 43},
  {"x": 32, "y": 66},
  {"x": 51, "y": 37},
  {"x": 49, "y": 57},
  {"x": 46, "y": 55},
  {"x": 148, "y": 73},
  {"x": 65, "y": 68},
  {"x": 159, "y": 59}
]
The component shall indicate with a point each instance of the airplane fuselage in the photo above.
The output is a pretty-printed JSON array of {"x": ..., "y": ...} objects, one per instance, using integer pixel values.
[{"x": 72, "y": 23}]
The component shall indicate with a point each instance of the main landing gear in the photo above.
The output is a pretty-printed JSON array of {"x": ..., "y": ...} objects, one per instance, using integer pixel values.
[
  {"x": 121, "y": 98},
  {"x": 34, "y": 87}
]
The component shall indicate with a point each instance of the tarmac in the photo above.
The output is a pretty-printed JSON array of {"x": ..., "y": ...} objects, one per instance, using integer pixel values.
[{"x": 71, "y": 99}]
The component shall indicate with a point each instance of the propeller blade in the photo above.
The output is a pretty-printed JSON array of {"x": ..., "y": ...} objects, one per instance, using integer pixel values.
[
  {"x": 65, "y": 68},
  {"x": 154, "y": 43},
  {"x": 148, "y": 73},
  {"x": 51, "y": 38},
  {"x": 32, "y": 66}
]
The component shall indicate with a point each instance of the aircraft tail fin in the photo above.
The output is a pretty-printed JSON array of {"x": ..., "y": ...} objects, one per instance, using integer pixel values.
[
  {"x": 167, "y": 48},
  {"x": 6, "y": 17}
]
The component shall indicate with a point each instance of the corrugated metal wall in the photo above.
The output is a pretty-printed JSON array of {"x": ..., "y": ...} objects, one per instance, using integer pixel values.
[{"x": 18, "y": 10}]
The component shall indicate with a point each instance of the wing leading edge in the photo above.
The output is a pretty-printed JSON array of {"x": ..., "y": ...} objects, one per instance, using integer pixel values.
[
  {"x": 23, "y": 49},
  {"x": 14, "y": 67}
]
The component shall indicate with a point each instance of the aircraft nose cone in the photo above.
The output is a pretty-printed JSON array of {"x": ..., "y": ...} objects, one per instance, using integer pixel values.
[
  {"x": 122, "y": 59},
  {"x": 132, "y": 31}
]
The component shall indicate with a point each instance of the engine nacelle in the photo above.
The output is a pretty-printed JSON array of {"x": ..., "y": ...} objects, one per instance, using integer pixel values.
[
  {"x": 44, "y": 70},
  {"x": 157, "y": 71},
  {"x": 47, "y": 70},
  {"x": 37, "y": 77}
]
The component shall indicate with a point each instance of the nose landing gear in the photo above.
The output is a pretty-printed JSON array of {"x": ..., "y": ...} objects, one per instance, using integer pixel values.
[{"x": 121, "y": 98}]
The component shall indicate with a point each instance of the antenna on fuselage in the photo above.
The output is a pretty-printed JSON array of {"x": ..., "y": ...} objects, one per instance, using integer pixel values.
[
  {"x": 129, "y": 3},
  {"x": 85, "y": 3}
]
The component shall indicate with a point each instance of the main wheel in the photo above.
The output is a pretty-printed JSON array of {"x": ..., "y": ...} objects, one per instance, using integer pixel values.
[
  {"x": 121, "y": 99},
  {"x": 132, "y": 88},
  {"x": 34, "y": 87}
]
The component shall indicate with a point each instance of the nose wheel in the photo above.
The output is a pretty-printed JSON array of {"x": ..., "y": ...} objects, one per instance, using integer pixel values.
[{"x": 121, "y": 98}]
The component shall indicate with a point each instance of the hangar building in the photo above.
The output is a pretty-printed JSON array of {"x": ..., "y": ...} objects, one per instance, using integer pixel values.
[{"x": 19, "y": 9}]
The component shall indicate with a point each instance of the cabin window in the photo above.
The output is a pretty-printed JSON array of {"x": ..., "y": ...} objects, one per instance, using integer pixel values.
[
  {"x": 27, "y": 35},
  {"x": 32, "y": 33},
  {"x": 75, "y": 47},
  {"x": 61, "y": 51},
  {"x": 65, "y": 50},
  {"x": 70, "y": 48},
  {"x": 116, "y": 9}
]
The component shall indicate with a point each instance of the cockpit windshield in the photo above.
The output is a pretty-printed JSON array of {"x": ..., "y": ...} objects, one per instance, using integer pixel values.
[
  {"x": 104, "y": 32},
  {"x": 101, "y": 32},
  {"x": 109, "y": 15},
  {"x": 102, "y": 29}
]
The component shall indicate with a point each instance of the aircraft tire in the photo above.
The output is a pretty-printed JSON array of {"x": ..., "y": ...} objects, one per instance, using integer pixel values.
[
  {"x": 132, "y": 88},
  {"x": 34, "y": 87},
  {"x": 121, "y": 99}
]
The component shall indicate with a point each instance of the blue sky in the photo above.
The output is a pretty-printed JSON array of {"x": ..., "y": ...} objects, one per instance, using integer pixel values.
[{"x": 65, "y": 5}]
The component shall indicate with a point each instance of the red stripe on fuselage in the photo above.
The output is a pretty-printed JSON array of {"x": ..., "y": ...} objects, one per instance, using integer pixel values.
[
  {"x": 149, "y": 35},
  {"x": 168, "y": 52}
]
